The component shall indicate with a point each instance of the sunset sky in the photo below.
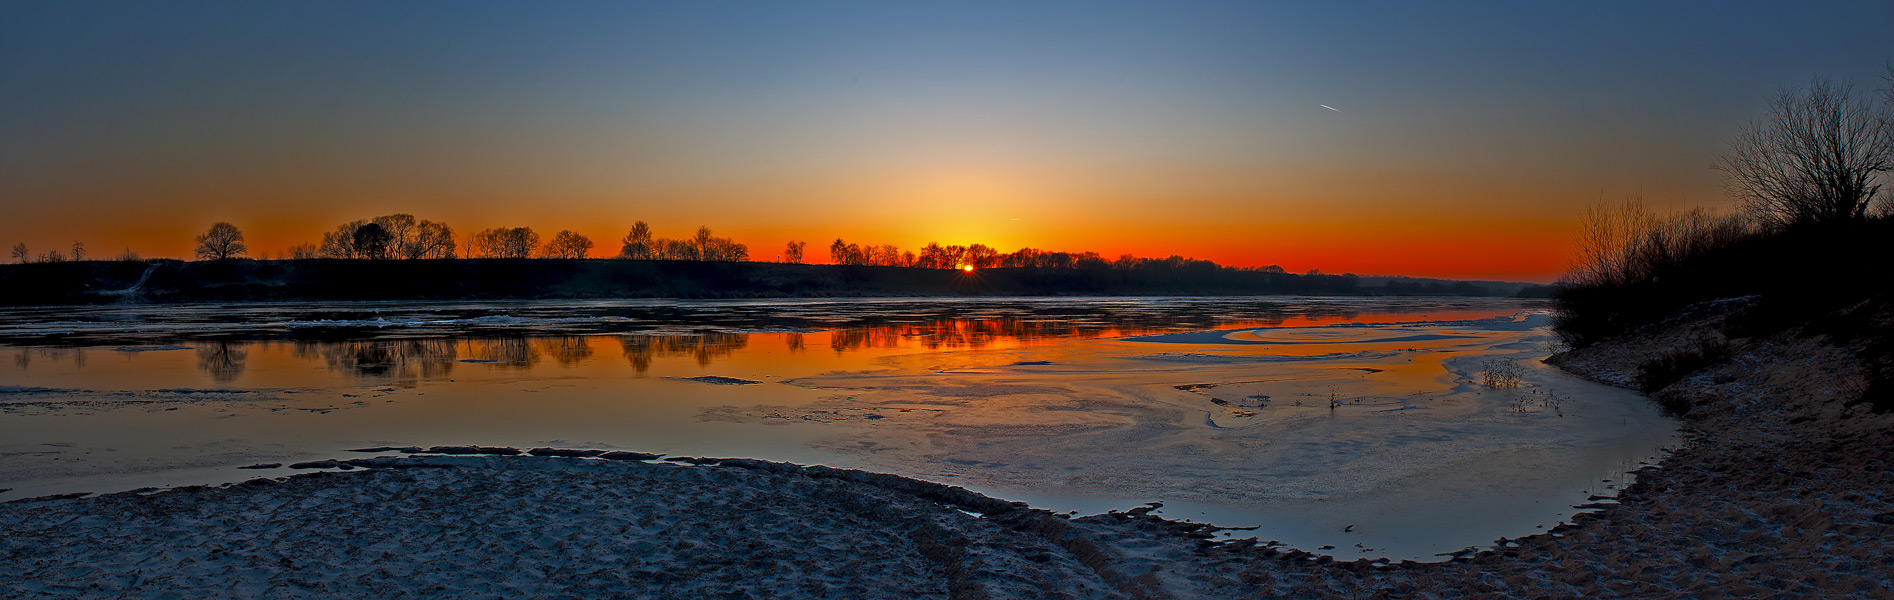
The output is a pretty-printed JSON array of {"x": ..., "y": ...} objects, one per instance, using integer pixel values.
[{"x": 1464, "y": 141}]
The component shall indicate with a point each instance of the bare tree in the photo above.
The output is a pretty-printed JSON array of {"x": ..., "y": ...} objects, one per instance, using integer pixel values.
[
  {"x": 953, "y": 257},
  {"x": 981, "y": 256},
  {"x": 727, "y": 250},
  {"x": 670, "y": 249},
  {"x": 302, "y": 252},
  {"x": 887, "y": 255},
  {"x": 838, "y": 252},
  {"x": 932, "y": 256},
  {"x": 222, "y": 242},
  {"x": 702, "y": 242},
  {"x": 78, "y": 251},
  {"x": 372, "y": 241},
  {"x": 396, "y": 236},
  {"x": 792, "y": 252},
  {"x": 127, "y": 256},
  {"x": 707, "y": 247},
  {"x": 402, "y": 230},
  {"x": 844, "y": 253},
  {"x": 567, "y": 244},
  {"x": 1815, "y": 158},
  {"x": 20, "y": 253},
  {"x": 503, "y": 242},
  {"x": 430, "y": 240},
  {"x": 637, "y": 243},
  {"x": 516, "y": 242},
  {"x": 341, "y": 242}
]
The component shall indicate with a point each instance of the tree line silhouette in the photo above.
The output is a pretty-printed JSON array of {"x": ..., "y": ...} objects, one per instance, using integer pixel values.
[
  {"x": 398, "y": 256},
  {"x": 401, "y": 236},
  {"x": 639, "y": 245}
]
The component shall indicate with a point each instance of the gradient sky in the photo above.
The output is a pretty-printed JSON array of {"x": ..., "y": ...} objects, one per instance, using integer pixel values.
[{"x": 1469, "y": 138}]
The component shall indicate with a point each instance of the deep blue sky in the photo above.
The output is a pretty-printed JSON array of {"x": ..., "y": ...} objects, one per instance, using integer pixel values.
[{"x": 1119, "y": 127}]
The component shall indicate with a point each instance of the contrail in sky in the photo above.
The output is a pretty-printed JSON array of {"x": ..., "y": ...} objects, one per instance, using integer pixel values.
[{"x": 1329, "y": 107}]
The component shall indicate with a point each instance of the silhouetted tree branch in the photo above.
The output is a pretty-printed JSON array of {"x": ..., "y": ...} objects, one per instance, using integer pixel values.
[
  {"x": 398, "y": 235},
  {"x": 502, "y": 242},
  {"x": 372, "y": 241},
  {"x": 1814, "y": 159},
  {"x": 844, "y": 253},
  {"x": 568, "y": 244},
  {"x": 222, "y": 242},
  {"x": 637, "y": 243},
  {"x": 431, "y": 240}
]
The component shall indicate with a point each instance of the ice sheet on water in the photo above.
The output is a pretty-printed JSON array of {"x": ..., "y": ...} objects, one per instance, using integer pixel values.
[
  {"x": 717, "y": 380},
  {"x": 124, "y": 325},
  {"x": 1196, "y": 358}
]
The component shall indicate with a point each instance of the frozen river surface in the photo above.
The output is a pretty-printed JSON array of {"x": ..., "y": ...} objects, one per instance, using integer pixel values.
[{"x": 1378, "y": 427}]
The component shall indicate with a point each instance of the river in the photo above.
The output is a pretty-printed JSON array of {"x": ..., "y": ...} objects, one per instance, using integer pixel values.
[{"x": 1378, "y": 427}]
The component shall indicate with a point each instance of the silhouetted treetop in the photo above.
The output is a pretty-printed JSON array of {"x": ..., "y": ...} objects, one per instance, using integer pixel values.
[
  {"x": 1815, "y": 158},
  {"x": 371, "y": 241},
  {"x": 567, "y": 244},
  {"x": 503, "y": 242},
  {"x": 637, "y": 243},
  {"x": 390, "y": 236},
  {"x": 221, "y": 242}
]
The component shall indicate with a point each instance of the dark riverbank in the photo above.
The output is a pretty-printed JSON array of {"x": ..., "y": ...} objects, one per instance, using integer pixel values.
[{"x": 168, "y": 281}]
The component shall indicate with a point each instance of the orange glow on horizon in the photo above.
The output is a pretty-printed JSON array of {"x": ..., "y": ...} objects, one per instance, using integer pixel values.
[{"x": 1535, "y": 250}]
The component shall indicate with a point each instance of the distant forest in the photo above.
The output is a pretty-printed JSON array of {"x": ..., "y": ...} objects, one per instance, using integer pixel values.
[
  {"x": 401, "y": 257},
  {"x": 403, "y": 237},
  {"x": 90, "y": 282}
]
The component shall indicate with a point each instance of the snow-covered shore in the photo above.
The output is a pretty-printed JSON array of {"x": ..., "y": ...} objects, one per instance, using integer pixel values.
[{"x": 1783, "y": 492}]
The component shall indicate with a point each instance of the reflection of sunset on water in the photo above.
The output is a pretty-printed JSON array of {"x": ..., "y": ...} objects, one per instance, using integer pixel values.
[
  {"x": 407, "y": 362},
  {"x": 700, "y": 348}
]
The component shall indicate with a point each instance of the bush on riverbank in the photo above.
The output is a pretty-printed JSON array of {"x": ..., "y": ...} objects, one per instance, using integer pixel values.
[
  {"x": 1830, "y": 279},
  {"x": 1798, "y": 275}
]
